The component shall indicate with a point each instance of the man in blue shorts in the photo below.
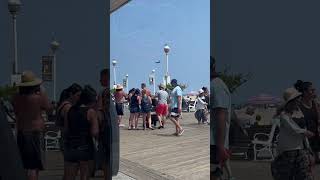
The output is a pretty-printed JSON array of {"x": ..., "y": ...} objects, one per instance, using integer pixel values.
[{"x": 176, "y": 106}]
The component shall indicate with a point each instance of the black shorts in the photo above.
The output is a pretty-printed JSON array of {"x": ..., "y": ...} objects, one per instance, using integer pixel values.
[
  {"x": 134, "y": 109},
  {"x": 175, "y": 113},
  {"x": 77, "y": 154},
  {"x": 145, "y": 109},
  {"x": 200, "y": 115},
  {"x": 119, "y": 108},
  {"x": 31, "y": 146}
]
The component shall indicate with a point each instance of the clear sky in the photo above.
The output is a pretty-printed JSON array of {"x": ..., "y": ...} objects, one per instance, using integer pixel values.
[
  {"x": 278, "y": 41},
  {"x": 79, "y": 25},
  {"x": 140, "y": 29}
]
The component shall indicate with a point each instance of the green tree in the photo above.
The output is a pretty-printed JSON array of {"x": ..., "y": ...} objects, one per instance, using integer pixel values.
[
  {"x": 183, "y": 87},
  {"x": 6, "y": 92},
  {"x": 234, "y": 80}
]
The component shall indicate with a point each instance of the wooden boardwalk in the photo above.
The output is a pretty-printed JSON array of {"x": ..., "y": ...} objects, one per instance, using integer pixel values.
[{"x": 165, "y": 156}]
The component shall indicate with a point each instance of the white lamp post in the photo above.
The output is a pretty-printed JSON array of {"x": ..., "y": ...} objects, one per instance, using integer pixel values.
[
  {"x": 127, "y": 80},
  {"x": 166, "y": 50},
  {"x": 14, "y": 7},
  {"x": 114, "y": 63},
  {"x": 154, "y": 81},
  {"x": 54, "y": 45}
]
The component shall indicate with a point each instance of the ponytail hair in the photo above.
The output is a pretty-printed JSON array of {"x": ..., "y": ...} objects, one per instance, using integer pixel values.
[{"x": 302, "y": 86}]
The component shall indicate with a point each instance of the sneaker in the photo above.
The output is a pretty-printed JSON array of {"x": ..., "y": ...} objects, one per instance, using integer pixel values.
[
  {"x": 181, "y": 132},
  {"x": 175, "y": 134},
  {"x": 160, "y": 127},
  {"x": 121, "y": 125},
  {"x": 129, "y": 128},
  {"x": 151, "y": 128}
]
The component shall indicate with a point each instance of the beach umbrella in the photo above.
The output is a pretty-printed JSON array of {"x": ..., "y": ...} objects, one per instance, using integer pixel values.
[{"x": 263, "y": 99}]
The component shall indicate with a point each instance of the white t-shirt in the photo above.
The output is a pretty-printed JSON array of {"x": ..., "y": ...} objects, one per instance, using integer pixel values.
[
  {"x": 200, "y": 104},
  {"x": 220, "y": 98}
]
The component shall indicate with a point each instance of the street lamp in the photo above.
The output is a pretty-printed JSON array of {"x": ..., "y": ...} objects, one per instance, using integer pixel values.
[
  {"x": 14, "y": 7},
  {"x": 154, "y": 81},
  {"x": 166, "y": 50},
  {"x": 114, "y": 63},
  {"x": 54, "y": 46},
  {"x": 127, "y": 82}
]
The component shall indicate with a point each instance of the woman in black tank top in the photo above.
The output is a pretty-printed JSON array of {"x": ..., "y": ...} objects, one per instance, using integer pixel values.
[
  {"x": 309, "y": 107},
  {"x": 82, "y": 128}
]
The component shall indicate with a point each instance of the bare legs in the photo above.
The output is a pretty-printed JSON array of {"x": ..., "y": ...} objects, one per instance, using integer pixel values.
[
  {"x": 131, "y": 119},
  {"x": 176, "y": 122},
  {"x": 72, "y": 171},
  {"x": 160, "y": 120},
  {"x": 136, "y": 116},
  {"x": 33, "y": 174}
]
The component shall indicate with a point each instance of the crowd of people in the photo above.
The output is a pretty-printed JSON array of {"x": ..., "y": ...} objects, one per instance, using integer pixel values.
[
  {"x": 80, "y": 115},
  {"x": 298, "y": 143},
  {"x": 141, "y": 103}
]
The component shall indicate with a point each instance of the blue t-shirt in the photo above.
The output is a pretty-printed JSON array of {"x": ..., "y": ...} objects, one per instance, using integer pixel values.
[
  {"x": 221, "y": 98},
  {"x": 176, "y": 92}
]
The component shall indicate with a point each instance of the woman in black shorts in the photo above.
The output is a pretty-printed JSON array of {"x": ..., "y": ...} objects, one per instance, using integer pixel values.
[
  {"x": 82, "y": 127},
  {"x": 146, "y": 105},
  {"x": 135, "y": 102}
]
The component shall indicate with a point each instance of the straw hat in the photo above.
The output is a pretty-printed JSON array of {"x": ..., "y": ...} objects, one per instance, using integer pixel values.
[
  {"x": 119, "y": 87},
  {"x": 28, "y": 78},
  {"x": 162, "y": 86},
  {"x": 289, "y": 95}
]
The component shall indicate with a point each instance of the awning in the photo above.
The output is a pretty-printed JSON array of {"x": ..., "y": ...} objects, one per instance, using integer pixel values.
[
  {"x": 116, "y": 4},
  {"x": 263, "y": 99}
]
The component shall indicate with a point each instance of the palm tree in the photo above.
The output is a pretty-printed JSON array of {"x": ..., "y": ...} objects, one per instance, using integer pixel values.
[{"x": 234, "y": 80}]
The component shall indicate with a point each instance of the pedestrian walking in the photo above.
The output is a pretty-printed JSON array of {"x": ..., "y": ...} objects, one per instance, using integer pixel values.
[
  {"x": 29, "y": 104},
  {"x": 135, "y": 103},
  {"x": 294, "y": 152},
  {"x": 68, "y": 98},
  {"x": 176, "y": 106},
  {"x": 146, "y": 105},
  {"x": 103, "y": 150},
  {"x": 82, "y": 127},
  {"x": 201, "y": 108},
  {"x": 130, "y": 94},
  {"x": 219, "y": 126},
  {"x": 120, "y": 97},
  {"x": 311, "y": 111},
  {"x": 162, "y": 97}
]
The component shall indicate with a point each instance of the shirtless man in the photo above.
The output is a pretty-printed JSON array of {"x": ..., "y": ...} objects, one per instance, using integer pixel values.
[{"x": 29, "y": 105}]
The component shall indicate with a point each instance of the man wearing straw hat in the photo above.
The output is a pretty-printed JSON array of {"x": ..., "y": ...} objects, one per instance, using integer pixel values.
[
  {"x": 119, "y": 96},
  {"x": 29, "y": 105}
]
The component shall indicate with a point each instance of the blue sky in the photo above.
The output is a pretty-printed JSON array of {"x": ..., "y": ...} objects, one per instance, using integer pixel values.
[{"x": 140, "y": 29}]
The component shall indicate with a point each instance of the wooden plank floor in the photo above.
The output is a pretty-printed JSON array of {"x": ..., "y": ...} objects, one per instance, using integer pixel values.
[{"x": 184, "y": 157}]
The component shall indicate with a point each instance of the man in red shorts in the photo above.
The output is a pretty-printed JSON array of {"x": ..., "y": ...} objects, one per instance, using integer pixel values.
[{"x": 162, "y": 107}]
